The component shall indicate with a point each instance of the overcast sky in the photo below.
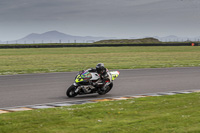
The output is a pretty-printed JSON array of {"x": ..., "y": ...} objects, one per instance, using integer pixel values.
[{"x": 107, "y": 18}]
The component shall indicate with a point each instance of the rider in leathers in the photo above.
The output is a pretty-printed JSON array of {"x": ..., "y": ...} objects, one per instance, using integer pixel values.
[{"x": 102, "y": 71}]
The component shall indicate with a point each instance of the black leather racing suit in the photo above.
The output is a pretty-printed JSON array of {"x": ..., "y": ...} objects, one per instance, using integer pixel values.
[{"x": 104, "y": 75}]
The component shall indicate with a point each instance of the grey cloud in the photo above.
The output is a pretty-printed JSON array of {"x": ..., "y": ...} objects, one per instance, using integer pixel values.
[
  {"x": 28, "y": 9},
  {"x": 103, "y": 17}
]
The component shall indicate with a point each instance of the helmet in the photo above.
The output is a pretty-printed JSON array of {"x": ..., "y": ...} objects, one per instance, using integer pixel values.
[{"x": 100, "y": 68}]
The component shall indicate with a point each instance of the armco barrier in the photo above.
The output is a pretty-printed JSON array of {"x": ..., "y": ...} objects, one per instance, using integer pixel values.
[{"x": 93, "y": 45}]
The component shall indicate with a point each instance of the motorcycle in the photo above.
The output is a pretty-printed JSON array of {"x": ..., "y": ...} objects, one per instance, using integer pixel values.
[{"x": 85, "y": 79}]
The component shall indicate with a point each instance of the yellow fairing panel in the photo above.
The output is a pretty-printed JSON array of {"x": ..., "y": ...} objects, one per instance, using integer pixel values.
[
  {"x": 79, "y": 79},
  {"x": 114, "y": 74}
]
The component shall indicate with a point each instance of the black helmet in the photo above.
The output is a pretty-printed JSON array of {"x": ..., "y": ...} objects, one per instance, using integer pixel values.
[{"x": 100, "y": 68}]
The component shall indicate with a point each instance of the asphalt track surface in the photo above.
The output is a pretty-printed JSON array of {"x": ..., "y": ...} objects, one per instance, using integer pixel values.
[{"x": 29, "y": 89}]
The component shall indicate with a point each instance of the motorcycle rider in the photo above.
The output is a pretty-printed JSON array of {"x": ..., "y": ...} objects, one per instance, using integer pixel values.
[{"x": 103, "y": 73}]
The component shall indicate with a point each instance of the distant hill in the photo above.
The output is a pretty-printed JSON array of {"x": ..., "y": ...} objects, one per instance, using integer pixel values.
[
  {"x": 56, "y": 37},
  {"x": 128, "y": 41},
  {"x": 173, "y": 38},
  {"x": 59, "y": 37}
]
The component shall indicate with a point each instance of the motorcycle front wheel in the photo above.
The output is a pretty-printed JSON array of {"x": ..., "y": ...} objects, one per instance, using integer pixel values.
[{"x": 71, "y": 91}]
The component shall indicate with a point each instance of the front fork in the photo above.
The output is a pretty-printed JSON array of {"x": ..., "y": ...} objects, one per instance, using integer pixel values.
[{"x": 77, "y": 89}]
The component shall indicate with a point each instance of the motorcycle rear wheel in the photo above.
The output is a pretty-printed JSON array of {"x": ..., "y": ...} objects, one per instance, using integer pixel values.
[
  {"x": 71, "y": 91},
  {"x": 109, "y": 87}
]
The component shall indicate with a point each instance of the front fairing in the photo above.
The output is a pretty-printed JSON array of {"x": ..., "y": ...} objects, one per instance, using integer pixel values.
[{"x": 83, "y": 77}]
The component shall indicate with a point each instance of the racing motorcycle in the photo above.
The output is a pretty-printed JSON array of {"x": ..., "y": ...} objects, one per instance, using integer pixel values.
[{"x": 84, "y": 80}]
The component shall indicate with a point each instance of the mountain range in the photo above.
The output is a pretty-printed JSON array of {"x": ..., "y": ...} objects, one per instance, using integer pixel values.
[{"x": 58, "y": 37}]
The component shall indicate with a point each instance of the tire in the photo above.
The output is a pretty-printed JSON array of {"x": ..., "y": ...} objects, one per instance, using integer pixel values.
[
  {"x": 101, "y": 92},
  {"x": 71, "y": 91}
]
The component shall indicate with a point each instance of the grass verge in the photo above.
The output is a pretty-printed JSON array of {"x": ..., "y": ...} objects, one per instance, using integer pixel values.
[
  {"x": 44, "y": 60},
  {"x": 177, "y": 113}
]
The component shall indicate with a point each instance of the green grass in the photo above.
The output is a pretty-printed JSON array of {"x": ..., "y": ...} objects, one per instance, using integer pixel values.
[
  {"x": 129, "y": 41},
  {"x": 166, "y": 114},
  {"x": 44, "y": 60}
]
